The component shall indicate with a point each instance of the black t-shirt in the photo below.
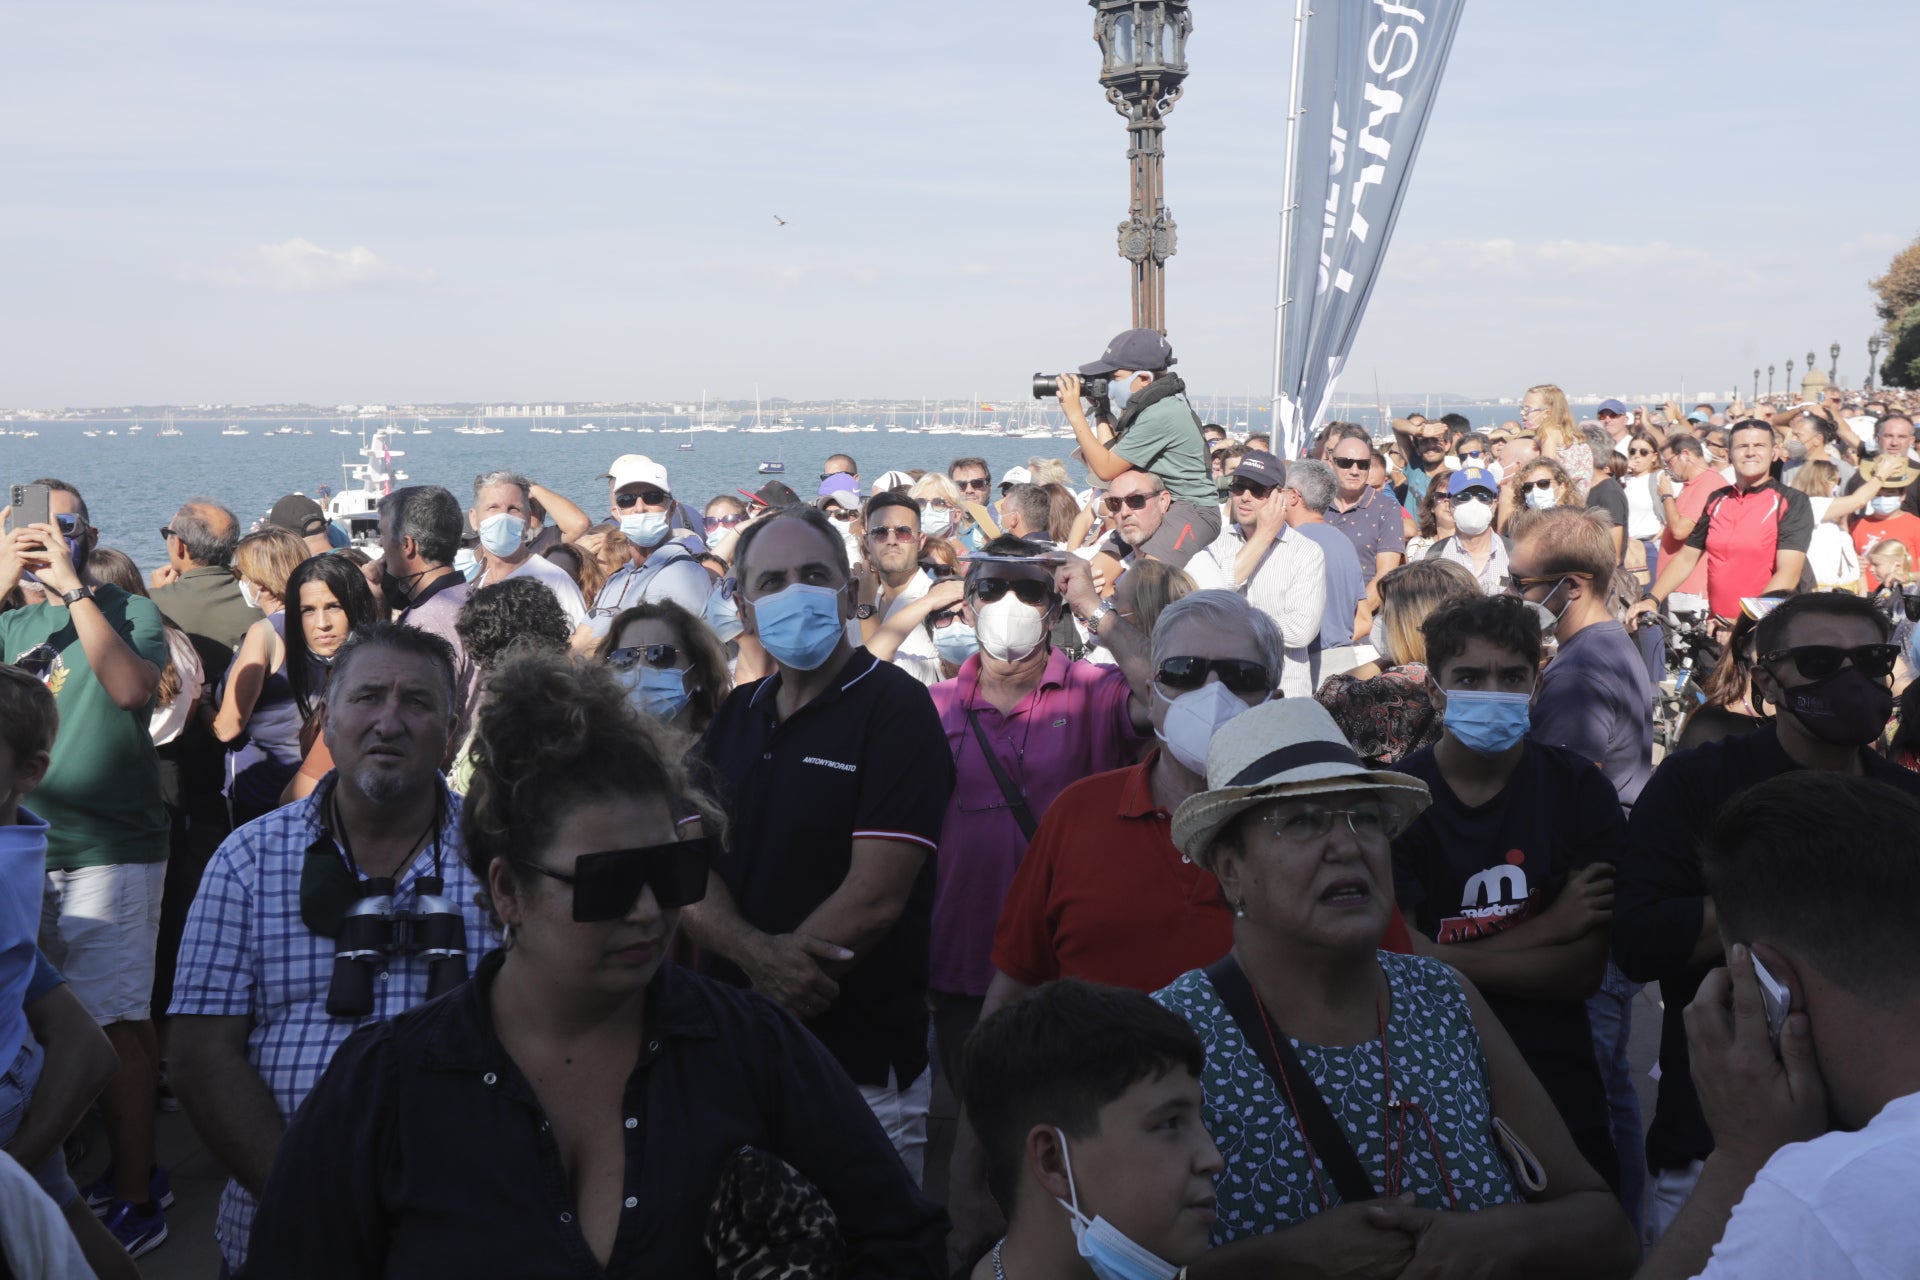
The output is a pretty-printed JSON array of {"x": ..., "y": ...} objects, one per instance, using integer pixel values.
[
  {"x": 1462, "y": 874},
  {"x": 865, "y": 759},
  {"x": 1608, "y": 498}
]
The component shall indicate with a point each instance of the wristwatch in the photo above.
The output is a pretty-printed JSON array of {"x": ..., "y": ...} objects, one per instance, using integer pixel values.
[
  {"x": 75, "y": 596},
  {"x": 1092, "y": 621},
  {"x": 864, "y": 612}
]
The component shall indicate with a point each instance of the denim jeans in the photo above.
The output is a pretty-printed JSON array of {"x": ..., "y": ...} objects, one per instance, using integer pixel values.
[
  {"x": 17, "y": 1083},
  {"x": 1610, "y": 1012}
]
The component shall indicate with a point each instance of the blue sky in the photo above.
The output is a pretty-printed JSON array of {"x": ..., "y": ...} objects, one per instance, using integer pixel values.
[{"x": 571, "y": 201}]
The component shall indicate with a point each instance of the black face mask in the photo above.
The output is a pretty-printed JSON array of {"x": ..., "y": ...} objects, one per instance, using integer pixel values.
[
  {"x": 1847, "y": 709},
  {"x": 398, "y": 590}
]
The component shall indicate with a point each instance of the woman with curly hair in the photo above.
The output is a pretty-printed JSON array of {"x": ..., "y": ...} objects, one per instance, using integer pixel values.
[
  {"x": 584, "y": 1105},
  {"x": 520, "y": 613},
  {"x": 1541, "y": 484}
]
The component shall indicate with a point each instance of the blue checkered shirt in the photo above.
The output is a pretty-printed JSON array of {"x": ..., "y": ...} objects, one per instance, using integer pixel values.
[{"x": 246, "y": 953}]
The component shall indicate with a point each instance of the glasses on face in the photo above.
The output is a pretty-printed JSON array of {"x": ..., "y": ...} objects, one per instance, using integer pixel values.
[
  {"x": 1239, "y": 487},
  {"x": 938, "y": 570},
  {"x": 1026, "y": 590},
  {"x": 1353, "y": 464},
  {"x": 1519, "y": 586},
  {"x": 979, "y": 483},
  {"x": 1473, "y": 455},
  {"x": 654, "y": 655},
  {"x": 946, "y": 618},
  {"x": 606, "y": 885},
  {"x": 1640, "y": 453},
  {"x": 1818, "y": 661},
  {"x": 721, "y": 522},
  {"x": 1528, "y": 410},
  {"x": 166, "y": 531},
  {"x": 1367, "y": 818},
  {"x": 1238, "y": 674},
  {"x": 837, "y": 512},
  {"x": 69, "y": 525},
  {"x": 890, "y": 532},
  {"x": 1471, "y": 495},
  {"x": 1132, "y": 502},
  {"x": 935, "y": 504},
  {"x": 652, "y": 497},
  {"x": 1543, "y": 484}
]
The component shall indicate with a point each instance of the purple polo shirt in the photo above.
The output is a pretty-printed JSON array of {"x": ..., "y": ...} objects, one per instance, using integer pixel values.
[
  {"x": 1373, "y": 525},
  {"x": 1075, "y": 723}
]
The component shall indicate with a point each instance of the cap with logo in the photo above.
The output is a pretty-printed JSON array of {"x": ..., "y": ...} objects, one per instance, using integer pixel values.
[
  {"x": 1471, "y": 478},
  {"x": 839, "y": 482},
  {"x": 1135, "y": 350},
  {"x": 637, "y": 468},
  {"x": 1261, "y": 468}
]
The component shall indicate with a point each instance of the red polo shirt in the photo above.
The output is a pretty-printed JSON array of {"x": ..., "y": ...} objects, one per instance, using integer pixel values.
[
  {"x": 1741, "y": 531},
  {"x": 1104, "y": 895}
]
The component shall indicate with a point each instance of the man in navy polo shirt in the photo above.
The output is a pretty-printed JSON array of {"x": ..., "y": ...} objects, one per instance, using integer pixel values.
[{"x": 835, "y": 775}]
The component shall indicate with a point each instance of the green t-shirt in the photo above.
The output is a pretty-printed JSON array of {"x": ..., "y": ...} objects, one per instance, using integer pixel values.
[
  {"x": 101, "y": 797},
  {"x": 1165, "y": 441}
]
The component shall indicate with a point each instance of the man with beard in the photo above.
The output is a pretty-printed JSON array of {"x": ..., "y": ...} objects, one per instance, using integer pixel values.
[
  {"x": 252, "y": 1030},
  {"x": 1155, "y": 432}
]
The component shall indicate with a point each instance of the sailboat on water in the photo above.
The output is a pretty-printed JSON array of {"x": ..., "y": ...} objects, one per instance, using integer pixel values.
[{"x": 777, "y": 466}]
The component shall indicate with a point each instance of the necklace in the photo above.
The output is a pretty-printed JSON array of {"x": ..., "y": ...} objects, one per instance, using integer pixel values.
[{"x": 999, "y": 1272}]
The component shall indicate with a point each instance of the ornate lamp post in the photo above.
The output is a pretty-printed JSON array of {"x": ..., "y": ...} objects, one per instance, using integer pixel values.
[
  {"x": 1770, "y": 379},
  {"x": 1143, "y": 61},
  {"x": 1873, "y": 359},
  {"x": 1833, "y": 374},
  {"x": 1756, "y": 382},
  {"x": 1789, "y": 380}
]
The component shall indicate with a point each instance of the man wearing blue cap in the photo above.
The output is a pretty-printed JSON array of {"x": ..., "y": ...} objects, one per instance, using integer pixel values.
[
  {"x": 1155, "y": 431},
  {"x": 1615, "y": 417},
  {"x": 1474, "y": 492}
]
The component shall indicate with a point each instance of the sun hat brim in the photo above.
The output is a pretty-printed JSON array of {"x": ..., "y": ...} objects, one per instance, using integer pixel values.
[{"x": 1198, "y": 821}]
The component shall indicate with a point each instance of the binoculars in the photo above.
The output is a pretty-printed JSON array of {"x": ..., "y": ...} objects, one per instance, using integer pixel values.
[{"x": 373, "y": 930}]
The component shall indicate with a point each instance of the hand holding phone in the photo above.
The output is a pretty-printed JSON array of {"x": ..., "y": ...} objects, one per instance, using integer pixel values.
[
  {"x": 1776, "y": 999},
  {"x": 28, "y": 505}
]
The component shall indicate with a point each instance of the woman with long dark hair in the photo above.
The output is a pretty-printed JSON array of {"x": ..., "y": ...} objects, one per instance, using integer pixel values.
[{"x": 327, "y": 600}]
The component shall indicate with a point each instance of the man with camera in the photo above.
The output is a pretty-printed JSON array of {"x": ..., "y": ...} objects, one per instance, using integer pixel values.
[
  {"x": 1155, "y": 432},
  {"x": 326, "y": 913}
]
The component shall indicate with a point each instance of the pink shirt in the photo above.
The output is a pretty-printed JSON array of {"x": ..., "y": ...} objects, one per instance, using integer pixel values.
[{"x": 1074, "y": 724}]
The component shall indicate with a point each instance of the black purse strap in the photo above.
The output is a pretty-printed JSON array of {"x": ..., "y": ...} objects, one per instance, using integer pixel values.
[
  {"x": 1016, "y": 801},
  {"x": 1325, "y": 1138}
]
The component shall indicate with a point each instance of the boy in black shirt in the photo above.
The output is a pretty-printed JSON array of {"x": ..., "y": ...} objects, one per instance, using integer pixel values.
[{"x": 1505, "y": 875}]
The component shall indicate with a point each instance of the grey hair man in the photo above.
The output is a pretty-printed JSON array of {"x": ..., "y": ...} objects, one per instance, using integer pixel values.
[{"x": 1312, "y": 485}]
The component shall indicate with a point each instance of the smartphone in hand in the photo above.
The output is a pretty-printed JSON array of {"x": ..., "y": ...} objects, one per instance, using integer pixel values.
[
  {"x": 1776, "y": 999},
  {"x": 32, "y": 504}
]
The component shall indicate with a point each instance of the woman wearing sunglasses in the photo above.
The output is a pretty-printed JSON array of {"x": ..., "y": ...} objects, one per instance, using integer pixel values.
[
  {"x": 573, "y": 1110},
  {"x": 672, "y": 664},
  {"x": 1338, "y": 1073},
  {"x": 1541, "y": 484}
]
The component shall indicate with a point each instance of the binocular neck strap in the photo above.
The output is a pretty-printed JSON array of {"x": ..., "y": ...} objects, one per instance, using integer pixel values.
[{"x": 331, "y": 825}]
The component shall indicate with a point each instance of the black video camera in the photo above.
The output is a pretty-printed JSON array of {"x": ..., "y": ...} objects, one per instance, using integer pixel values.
[{"x": 373, "y": 930}]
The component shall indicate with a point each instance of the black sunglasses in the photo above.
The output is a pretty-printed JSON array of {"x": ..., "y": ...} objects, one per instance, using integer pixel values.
[
  {"x": 1352, "y": 464},
  {"x": 606, "y": 885},
  {"x": 1028, "y": 590},
  {"x": 1818, "y": 661},
  {"x": 945, "y": 618},
  {"x": 721, "y": 522},
  {"x": 166, "y": 531},
  {"x": 656, "y": 655},
  {"x": 38, "y": 661},
  {"x": 980, "y": 483},
  {"x": 938, "y": 570},
  {"x": 1248, "y": 486},
  {"x": 1132, "y": 501},
  {"x": 652, "y": 497},
  {"x": 1544, "y": 482},
  {"x": 1239, "y": 675}
]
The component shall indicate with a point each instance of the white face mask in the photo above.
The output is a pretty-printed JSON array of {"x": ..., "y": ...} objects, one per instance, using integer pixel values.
[
  {"x": 935, "y": 521},
  {"x": 1473, "y": 517},
  {"x": 1009, "y": 630},
  {"x": 1538, "y": 499},
  {"x": 250, "y": 593},
  {"x": 1193, "y": 718}
]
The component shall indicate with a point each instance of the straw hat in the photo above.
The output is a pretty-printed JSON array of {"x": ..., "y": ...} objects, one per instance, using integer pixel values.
[
  {"x": 1286, "y": 748},
  {"x": 1892, "y": 472}
]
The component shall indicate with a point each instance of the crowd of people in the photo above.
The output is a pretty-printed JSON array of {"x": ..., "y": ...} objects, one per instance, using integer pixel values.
[{"x": 1265, "y": 853}]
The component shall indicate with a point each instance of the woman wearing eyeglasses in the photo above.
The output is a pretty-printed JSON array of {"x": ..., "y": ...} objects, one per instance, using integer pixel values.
[
  {"x": 1544, "y": 411},
  {"x": 1644, "y": 518},
  {"x": 1338, "y": 1073},
  {"x": 582, "y": 1106},
  {"x": 1541, "y": 484},
  {"x": 721, "y": 523},
  {"x": 672, "y": 664}
]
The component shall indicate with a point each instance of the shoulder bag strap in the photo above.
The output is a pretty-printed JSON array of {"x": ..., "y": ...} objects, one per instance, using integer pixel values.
[
  {"x": 1324, "y": 1134},
  {"x": 1022, "y": 812}
]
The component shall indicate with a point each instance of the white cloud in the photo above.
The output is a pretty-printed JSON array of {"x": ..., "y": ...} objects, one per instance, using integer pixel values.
[{"x": 301, "y": 266}]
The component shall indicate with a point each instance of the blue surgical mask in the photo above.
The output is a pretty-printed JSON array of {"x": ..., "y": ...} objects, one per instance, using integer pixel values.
[
  {"x": 503, "y": 534},
  {"x": 800, "y": 625},
  {"x": 723, "y": 615},
  {"x": 1884, "y": 504},
  {"x": 956, "y": 642},
  {"x": 645, "y": 529},
  {"x": 1488, "y": 723},
  {"x": 467, "y": 564},
  {"x": 656, "y": 691},
  {"x": 1118, "y": 393},
  {"x": 1107, "y": 1249}
]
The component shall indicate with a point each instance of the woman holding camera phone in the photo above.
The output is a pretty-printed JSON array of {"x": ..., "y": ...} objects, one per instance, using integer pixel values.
[{"x": 574, "y": 1110}]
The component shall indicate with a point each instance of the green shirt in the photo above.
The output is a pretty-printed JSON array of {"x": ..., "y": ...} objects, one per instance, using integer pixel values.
[
  {"x": 101, "y": 797},
  {"x": 1165, "y": 440}
]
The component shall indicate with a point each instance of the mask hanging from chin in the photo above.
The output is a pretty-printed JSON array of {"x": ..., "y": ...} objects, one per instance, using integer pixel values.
[{"x": 1108, "y": 1251}]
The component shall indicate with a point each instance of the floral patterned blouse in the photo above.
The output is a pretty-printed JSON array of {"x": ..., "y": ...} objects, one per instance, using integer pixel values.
[
  {"x": 1577, "y": 458},
  {"x": 1385, "y": 718},
  {"x": 1434, "y": 1050}
]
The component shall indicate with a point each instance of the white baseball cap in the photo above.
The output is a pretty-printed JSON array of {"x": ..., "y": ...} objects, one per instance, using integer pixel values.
[
  {"x": 637, "y": 468},
  {"x": 1016, "y": 475}
]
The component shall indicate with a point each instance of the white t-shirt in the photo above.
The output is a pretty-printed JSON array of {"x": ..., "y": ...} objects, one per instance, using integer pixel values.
[
  {"x": 1836, "y": 1208},
  {"x": 563, "y": 587},
  {"x": 1831, "y": 554},
  {"x": 916, "y": 655}
]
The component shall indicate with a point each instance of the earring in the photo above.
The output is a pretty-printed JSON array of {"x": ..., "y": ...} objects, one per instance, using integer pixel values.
[
  {"x": 1239, "y": 911},
  {"x": 506, "y": 936}
]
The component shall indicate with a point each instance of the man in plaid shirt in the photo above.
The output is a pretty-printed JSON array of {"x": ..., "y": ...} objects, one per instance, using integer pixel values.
[{"x": 251, "y": 1032}]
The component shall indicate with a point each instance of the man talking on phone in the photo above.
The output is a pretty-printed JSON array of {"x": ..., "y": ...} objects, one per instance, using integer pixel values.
[{"x": 100, "y": 651}]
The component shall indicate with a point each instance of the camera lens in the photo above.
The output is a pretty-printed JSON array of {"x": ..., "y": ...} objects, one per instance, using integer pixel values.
[{"x": 1046, "y": 386}]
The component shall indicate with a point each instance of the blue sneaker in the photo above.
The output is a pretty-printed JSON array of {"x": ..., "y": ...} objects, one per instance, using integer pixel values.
[
  {"x": 99, "y": 1192},
  {"x": 137, "y": 1232}
]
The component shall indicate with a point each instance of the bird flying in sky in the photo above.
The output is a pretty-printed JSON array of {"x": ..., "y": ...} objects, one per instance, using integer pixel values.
[{"x": 777, "y": 218}]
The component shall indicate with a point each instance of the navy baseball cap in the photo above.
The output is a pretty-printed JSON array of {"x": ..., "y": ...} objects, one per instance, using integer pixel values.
[
  {"x": 1262, "y": 468},
  {"x": 1136, "y": 349},
  {"x": 1471, "y": 478},
  {"x": 1613, "y": 406}
]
